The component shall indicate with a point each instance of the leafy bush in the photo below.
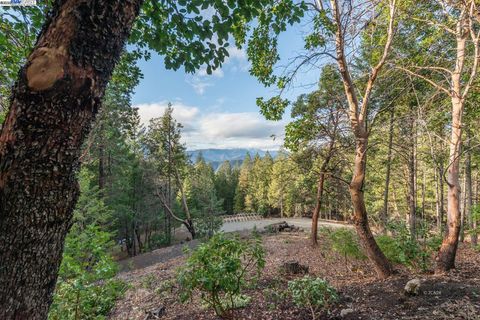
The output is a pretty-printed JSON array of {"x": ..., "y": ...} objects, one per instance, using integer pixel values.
[
  {"x": 220, "y": 269},
  {"x": 86, "y": 288},
  {"x": 402, "y": 248},
  {"x": 393, "y": 249},
  {"x": 76, "y": 300},
  {"x": 345, "y": 242},
  {"x": 313, "y": 293}
]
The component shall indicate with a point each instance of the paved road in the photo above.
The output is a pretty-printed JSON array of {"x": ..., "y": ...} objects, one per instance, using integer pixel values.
[
  {"x": 168, "y": 253},
  {"x": 304, "y": 223}
]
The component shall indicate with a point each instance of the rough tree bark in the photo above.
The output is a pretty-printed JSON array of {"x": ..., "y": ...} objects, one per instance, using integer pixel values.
[{"x": 53, "y": 104}]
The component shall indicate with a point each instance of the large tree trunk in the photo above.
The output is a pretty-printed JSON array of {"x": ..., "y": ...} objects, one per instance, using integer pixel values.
[
  {"x": 448, "y": 250},
  {"x": 384, "y": 213},
  {"x": 381, "y": 264},
  {"x": 53, "y": 104},
  {"x": 358, "y": 113}
]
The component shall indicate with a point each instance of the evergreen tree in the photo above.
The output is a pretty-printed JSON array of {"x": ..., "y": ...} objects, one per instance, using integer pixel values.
[
  {"x": 243, "y": 182},
  {"x": 199, "y": 187},
  {"x": 259, "y": 184},
  {"x": 226, "y": 181},
  {"x": 166, "y": 154}
]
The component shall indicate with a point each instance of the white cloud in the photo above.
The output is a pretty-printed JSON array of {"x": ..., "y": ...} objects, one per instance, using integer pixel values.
[
  {"x": 183, "y": 113},
  {"x": 198, "y": 83},
  {"x": 219, "y": 130},
  {"x": 245, "y": 125},
  {"x": 201, "y": 80},
  {"x": 238, "y": 60},
  {"x": 236, "y": 53}
]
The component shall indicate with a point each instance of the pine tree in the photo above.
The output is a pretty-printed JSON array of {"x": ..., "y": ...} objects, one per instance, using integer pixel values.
[
  {"x": 225, "y": 185},
  {"x": 259, "y": 184},
  {"x": 243, "y": 184}
]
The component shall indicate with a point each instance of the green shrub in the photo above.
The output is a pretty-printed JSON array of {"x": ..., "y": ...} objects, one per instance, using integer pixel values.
[
  {"x": 86, "y": 288},
  {"x": 402, "y": 248},
  {"x": 392, "y": 249},
  {"x": 312, "y": 293},
  {"x": 76, "y": 300},
  {"x": 345, "y": 242},
  {"x": 219, "y": 269}
]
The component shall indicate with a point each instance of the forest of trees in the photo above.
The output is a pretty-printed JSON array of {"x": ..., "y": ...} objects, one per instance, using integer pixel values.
[{"x": 389, "y": 135}]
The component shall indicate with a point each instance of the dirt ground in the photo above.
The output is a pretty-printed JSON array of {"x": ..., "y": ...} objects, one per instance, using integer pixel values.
[
  {"x": 455, "y": 296},
  {"x": 181, "y": 233}
]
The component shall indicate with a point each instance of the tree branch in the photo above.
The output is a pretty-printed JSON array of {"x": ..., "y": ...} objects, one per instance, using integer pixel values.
[
  {"x": 373, "y": 76},
  {"x": 433, "y": 83}
]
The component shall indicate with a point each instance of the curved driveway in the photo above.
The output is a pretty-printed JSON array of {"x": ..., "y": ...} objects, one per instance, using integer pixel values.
[
  {"x": 303, "y": 223},
  {"x": 176, "y": 250}
]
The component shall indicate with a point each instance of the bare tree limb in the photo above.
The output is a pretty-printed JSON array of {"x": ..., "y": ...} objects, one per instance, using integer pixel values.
[{"x": 433, "y": 83}]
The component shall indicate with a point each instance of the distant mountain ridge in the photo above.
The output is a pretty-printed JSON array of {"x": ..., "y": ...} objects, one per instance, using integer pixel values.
[{"x": 217, "y": 156}]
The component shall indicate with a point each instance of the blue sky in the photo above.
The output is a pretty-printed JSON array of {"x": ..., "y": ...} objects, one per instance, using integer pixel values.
[{"x": 219, "y": 110}]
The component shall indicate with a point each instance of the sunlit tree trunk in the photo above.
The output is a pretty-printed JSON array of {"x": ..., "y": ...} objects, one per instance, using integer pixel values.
[
  {"x": 460, "y": 82},
  {"x": 448, "y": 250},
  {"x": 380, "y": 262},
  {"x": 358, "y": 113}
]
